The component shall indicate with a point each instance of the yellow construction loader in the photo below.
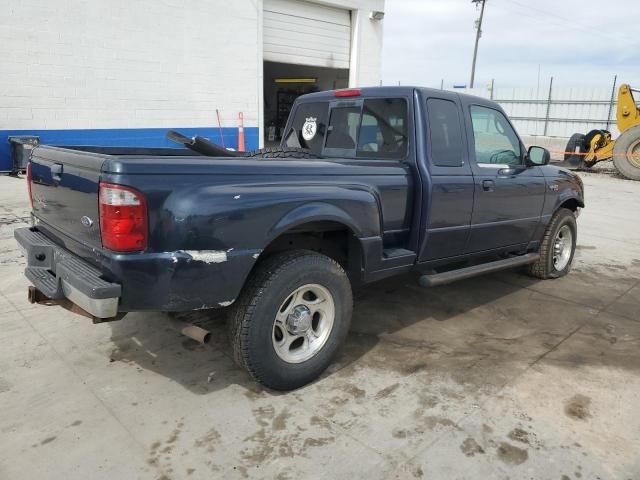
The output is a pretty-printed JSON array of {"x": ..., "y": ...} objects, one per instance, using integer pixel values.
[{"x": 587, "y": 150}]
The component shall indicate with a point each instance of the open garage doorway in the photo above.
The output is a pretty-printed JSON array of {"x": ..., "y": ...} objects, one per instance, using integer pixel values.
[{"x": 284, "y": 82}]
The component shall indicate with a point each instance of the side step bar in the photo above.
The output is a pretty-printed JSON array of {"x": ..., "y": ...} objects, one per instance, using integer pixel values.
[{"x": 454, "y": 275}]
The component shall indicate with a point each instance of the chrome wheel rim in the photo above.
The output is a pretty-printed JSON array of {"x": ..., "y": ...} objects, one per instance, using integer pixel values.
[
  {"x": 303, "y": 323},
  {"x": 633, "y": 154},
  {"x": 562, "y": 246}
]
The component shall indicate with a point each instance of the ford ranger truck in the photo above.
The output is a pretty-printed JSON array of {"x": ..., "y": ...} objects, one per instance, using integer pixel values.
[{"x": 367, "y": 183}]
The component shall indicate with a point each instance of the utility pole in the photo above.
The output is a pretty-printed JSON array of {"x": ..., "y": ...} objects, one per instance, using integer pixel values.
[
  {"x": 612, "y": 102},
  {"x": 478, "y": 34}
]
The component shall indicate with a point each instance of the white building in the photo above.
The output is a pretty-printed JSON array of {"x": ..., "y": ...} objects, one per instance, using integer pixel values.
[{"x": 122, "y": 72}]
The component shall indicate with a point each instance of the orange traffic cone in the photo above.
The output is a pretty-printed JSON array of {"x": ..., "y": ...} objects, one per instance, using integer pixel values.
[{"x": 240, "y": 132}]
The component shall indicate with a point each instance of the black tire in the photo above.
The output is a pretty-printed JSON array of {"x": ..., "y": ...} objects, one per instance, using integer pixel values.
[
  {"x": 544, "y": 268},
  {"x": 628, "y": 140},
  {"x": 251, "y": 324},
  {"x": 281, "y": 152},
  {"x": 575, "y": 144}
]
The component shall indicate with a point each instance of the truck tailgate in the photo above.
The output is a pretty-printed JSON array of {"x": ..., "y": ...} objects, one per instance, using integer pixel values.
[{"x": 64, "y": 186}]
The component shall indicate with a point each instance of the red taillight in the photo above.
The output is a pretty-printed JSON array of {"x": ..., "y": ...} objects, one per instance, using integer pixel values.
[
  {"x": 123, "y": 218},
  {"x": 29, "y": 184},
  {"x": 349, "y": 92}
]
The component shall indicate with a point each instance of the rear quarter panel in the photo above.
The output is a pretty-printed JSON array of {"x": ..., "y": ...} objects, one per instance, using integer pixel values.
[{"x": 207, "y": 230}]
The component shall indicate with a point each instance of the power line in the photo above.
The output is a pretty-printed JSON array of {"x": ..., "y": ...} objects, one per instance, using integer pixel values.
[
  {"x": 566, "y": 22},
  {"x": 552, "y": 22},
  {"x": 546, "y": 12}
]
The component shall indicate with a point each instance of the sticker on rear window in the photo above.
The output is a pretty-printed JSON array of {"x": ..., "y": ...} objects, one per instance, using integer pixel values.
[{"x": 309, "y": 128}]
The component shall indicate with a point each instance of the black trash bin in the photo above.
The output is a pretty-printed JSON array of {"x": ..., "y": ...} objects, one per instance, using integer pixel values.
[{"x": 21, "y": 147}]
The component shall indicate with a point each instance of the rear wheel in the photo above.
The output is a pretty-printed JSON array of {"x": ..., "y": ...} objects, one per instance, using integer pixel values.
[
  {"x": 558, "y": 246},
  {"x": 291, "y": 319},
  {"x": 626, "y": 153}
]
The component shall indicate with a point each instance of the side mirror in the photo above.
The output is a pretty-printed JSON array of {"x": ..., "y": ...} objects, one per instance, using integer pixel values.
[{"x": 538, "y": 156}]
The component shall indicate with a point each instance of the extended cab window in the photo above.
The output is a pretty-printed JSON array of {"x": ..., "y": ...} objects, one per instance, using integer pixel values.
[
  {"x": 494, "y": 139},
  {"x": 383, "y": 130},
  {"x": 445, "y": 134}
]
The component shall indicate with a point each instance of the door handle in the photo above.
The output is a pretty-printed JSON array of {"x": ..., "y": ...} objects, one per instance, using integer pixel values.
[{"x": 487, "y": 185}]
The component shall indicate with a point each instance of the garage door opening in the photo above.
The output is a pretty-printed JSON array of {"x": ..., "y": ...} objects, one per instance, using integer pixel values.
[{"x": 283, "y": 83}]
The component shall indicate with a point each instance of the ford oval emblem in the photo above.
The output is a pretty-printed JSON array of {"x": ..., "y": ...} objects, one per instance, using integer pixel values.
[{"x": 86, "y": 221}]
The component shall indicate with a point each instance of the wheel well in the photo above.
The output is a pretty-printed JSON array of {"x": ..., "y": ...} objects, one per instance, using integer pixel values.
[
  {"x": 332, "y": 239},
  {"x": 572, "y": 204}
]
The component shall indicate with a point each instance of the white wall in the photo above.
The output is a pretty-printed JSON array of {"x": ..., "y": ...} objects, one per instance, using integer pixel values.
[
  {"x": 80, "y": 64},
  {"x": 365, "y": 68},
  {"x": 112, "y": 64}
]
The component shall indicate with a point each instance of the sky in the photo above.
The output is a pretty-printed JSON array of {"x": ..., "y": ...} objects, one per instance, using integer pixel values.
[{"x": 578, "y": 42}]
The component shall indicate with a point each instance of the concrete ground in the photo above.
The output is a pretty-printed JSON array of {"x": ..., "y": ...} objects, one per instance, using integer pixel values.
[{"x": 496, "y": 377}]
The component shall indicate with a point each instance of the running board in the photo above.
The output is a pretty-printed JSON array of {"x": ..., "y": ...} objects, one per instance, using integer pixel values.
[{"x": 462, "y": 273}]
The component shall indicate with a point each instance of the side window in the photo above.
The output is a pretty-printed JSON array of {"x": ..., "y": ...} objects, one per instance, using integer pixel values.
[
  {"x": 445, "y": 135},
  {"x": 383, "y": 131},
  {"x": 343, "y": 128},
  {"x": 494, "y": 139}
]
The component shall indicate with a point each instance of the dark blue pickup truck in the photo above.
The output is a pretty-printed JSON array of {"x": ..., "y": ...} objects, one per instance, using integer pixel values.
[{"x": 366, "y": 184}]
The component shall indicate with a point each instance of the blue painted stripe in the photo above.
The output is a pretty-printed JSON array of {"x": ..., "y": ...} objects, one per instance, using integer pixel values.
[{"x": 125, "y": 137}]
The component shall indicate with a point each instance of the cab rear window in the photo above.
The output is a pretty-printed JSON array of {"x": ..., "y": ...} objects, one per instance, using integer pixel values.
[
  {"x": 308, "y": 127},
  {"x": 373, "y": 128}
]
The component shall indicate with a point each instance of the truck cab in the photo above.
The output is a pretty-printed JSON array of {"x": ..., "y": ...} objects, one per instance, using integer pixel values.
[{"x": 473, "y": 189}]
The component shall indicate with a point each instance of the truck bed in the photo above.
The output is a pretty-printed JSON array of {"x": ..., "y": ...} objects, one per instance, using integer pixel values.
[{"x": 209, "y": 218}]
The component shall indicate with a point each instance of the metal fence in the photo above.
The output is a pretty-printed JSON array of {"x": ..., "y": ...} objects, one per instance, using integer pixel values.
[{"x": 556, "y": 111}]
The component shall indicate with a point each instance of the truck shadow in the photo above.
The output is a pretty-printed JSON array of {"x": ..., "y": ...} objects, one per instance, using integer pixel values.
[
  {"x": 489, "y": 323},
  {"x": 380, "y": 309},
  {"x": 147, "y": 341}
]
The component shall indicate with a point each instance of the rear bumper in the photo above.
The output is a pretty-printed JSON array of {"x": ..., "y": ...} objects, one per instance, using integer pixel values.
[
  {"x": 174, "y": 281},
  {"x": 58, "y": 274}
]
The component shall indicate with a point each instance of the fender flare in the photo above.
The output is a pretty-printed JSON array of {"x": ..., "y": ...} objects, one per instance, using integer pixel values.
[
  {"x": 316, "y": 212},
  {"x": 566, "y": 196}
]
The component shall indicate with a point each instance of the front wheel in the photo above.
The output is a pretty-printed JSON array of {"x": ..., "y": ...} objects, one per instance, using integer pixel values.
[
  {"x": 291, "y": 318},
  {"x": 558, "y": 246}
]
